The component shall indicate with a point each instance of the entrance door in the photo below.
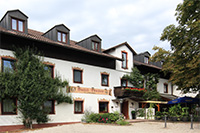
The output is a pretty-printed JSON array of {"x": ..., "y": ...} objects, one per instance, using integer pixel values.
[{"x": 125, "y": 109}]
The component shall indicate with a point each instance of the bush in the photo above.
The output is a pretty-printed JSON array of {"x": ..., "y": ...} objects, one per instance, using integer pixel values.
[
  {"x": 94, "y": 117},
  {"x": 141, "y": 113},
  {"x": 122, "y": 122},
  {"x": 89, "y": 117}
]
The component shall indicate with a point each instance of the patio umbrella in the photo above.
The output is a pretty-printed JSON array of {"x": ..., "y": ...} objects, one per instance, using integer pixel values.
[{"x": 184, "y": 100}]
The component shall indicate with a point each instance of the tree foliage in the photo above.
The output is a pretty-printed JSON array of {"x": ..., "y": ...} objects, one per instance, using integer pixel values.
[
  {"x": 135, "y": 78},
  {"x": 31, "y": 84},
  {"x": 148, "y": 81},
  {"x": 183, "y": 60}
]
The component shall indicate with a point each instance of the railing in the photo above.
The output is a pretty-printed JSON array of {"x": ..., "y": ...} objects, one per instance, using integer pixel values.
[{"x": 128, "y": 91}]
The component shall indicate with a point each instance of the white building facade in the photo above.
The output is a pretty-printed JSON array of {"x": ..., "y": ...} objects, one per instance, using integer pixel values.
[{"x": 91, "y": 72}]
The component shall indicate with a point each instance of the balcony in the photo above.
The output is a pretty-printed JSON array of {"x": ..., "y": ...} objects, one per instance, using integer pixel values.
[{"x": 129, "y": 92}]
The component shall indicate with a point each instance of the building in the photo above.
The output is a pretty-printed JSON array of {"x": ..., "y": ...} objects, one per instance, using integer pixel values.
[{"x": 93, "y": 74}]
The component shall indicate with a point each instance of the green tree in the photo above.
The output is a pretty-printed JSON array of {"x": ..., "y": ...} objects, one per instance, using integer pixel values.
[
  {"x": 31, "y": 84},
  {"x": 183, "y": 59},
  {"x": 150, "y": 79},
  {"x": 135, "y": 78}
]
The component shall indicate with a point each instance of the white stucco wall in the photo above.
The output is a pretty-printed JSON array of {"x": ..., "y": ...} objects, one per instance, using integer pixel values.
[
  {"x": 160, "y": 86},
  {"x": 91, "y": 78}
]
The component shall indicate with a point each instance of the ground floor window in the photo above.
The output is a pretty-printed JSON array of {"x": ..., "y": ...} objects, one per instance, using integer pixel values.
[
  {"x": 49, "y": 106},
  {"x": 78, "y": 107},
  {"x": 103, "y": 107},
  {"x": 8, "y": 106}
]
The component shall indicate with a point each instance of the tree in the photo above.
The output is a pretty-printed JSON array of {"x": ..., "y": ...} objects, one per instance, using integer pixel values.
[
  {"x": 183, "y": 59},
  {"x": 31, "y": 84},
  {"x": 150, "y": 79},
  {"x": 135, "y": 78}
]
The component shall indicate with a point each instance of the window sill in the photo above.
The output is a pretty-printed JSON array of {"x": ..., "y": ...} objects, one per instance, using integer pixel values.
[
  {"x": 9, "y": 114},
  {"x": 105, "y": 85},
  {"x": 78, "y": 82}
]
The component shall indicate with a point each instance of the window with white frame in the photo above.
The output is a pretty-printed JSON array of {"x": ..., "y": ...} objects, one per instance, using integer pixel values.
[{"x": 17, "y": 25}]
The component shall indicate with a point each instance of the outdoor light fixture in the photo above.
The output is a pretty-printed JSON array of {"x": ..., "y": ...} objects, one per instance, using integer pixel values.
[{"x": 121, "y": 100}]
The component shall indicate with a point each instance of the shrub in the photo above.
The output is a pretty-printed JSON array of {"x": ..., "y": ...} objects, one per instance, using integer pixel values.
[
  {"x": 141, "y": 112},
  {"x": 89, "y": 117},
  {"x": 94, "y": 117},
  {"x": 122, "y": 122}
]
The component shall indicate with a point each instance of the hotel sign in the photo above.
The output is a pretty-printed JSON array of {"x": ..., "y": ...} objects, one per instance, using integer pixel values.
[{"x": 74, "y": 89}]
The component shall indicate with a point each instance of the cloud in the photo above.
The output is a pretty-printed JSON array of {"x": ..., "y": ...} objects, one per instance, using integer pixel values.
[{"x": 139, "y": 22}]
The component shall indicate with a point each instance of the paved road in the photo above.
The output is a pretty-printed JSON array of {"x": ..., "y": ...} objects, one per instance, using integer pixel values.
[{"x": 141, "y": 127}]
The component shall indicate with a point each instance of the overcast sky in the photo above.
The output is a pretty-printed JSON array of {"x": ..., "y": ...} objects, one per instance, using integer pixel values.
[{"x": 138, "y": 22}]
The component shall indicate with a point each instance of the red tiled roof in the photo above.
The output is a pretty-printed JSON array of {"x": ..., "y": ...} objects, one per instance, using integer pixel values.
[{"x": 36, "y": 35}]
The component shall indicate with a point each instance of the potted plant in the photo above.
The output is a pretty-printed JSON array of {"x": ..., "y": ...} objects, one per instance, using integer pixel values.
[
  {"x": 173, "y": 113},
  {"x": 133, "y": 113},
  {"x": 141, "y": 113},
  {"x": 158, "y": 115},
  {"x": 164, "y": 114},
  {"x": 185, "y": 114}
]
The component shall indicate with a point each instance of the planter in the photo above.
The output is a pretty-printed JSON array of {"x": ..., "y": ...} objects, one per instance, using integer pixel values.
[
  {"x": 140, "y": 118},
  {"x": 133, "y": 115}
]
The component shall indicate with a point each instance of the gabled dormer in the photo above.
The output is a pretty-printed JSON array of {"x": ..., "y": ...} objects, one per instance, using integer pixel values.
[
  {"x": 15, "y": 20},
  {"x": 59, "y": 33},
  {"x": 93, "y": 43},
  {"x": 143, "y": 57}
]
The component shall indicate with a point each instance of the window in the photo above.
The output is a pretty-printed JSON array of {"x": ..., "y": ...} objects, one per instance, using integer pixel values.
[
  {"x": 95, "y": 46},
  {"x": 125, "y": 61},
  {"x": 124, "y": 82},
  {"x": 8, "y": 106},
  {"x": 146, "y": 59},
  {"x": 17, "y": 25},
  {"x": 165, "y": 88},
  {"x": 103, "y": 107},
  {"x": 172, "y": 89},
  {"x": 77, "y": 76},
  {"x": 49, "y": 106},
  {"x": 8, "y": 65},
  {"x": 50, "y": 69},
  {"x": 104, "y": 80},
  {"x": 78, "y": 107},
  {"x": 62, "y": 37}
]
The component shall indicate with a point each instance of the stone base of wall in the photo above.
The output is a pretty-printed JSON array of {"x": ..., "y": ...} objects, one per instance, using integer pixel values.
[{"x": 18, "y": 127}]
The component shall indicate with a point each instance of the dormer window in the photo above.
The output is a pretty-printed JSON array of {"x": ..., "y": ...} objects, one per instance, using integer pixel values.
[
  {"x": 146, "y": 59},
  {"x": 95, "y": 46},
  {"x": 62, "y": 37},
  {"x": 17, "y": 25}
]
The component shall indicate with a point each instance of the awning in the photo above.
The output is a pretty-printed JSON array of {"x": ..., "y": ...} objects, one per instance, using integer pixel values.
[
  {"x": 159, "y": 102},
  {"x": 184, "y": 100}
]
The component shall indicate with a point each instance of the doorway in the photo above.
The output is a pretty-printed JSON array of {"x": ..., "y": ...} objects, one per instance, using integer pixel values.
[{"x": 124, "y": 109}]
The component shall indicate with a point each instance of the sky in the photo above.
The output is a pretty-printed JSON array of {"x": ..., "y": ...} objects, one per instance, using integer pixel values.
[{"x": 138, "y": 22}]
